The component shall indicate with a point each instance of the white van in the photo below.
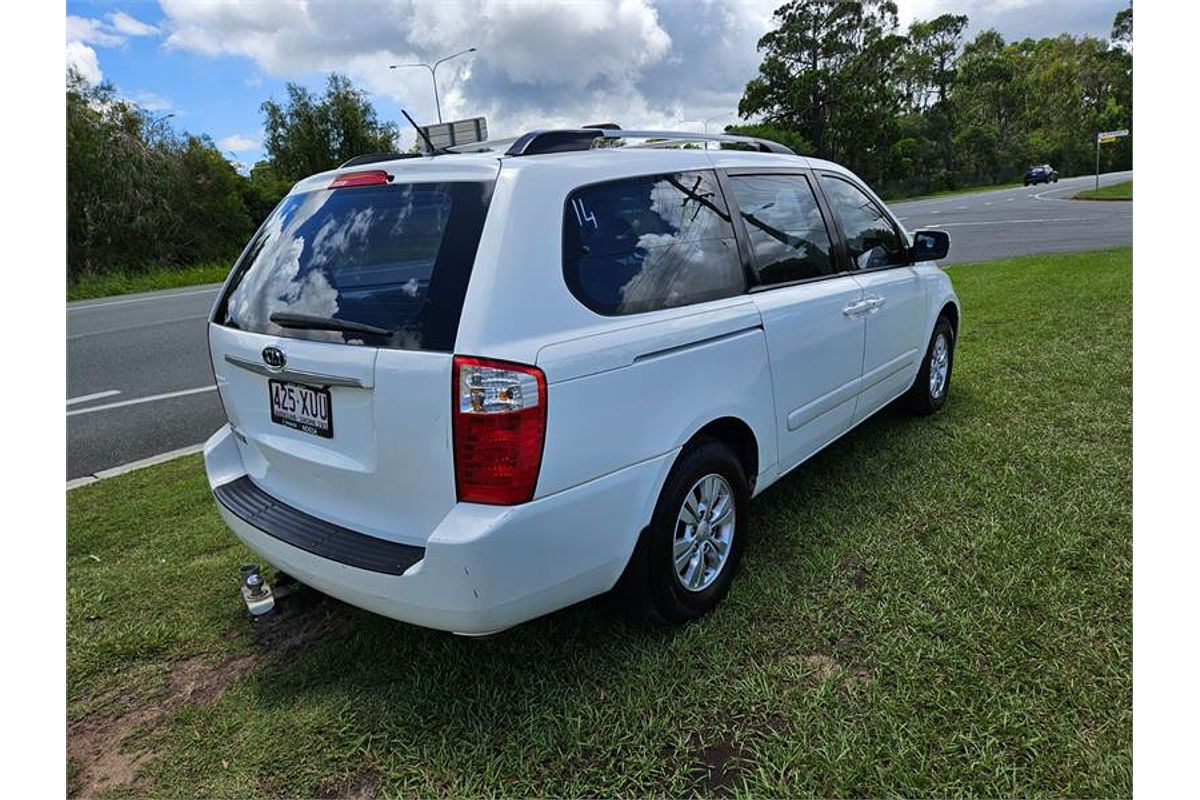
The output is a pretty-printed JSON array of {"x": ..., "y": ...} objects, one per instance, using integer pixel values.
[{"x": 467, "y": 389}]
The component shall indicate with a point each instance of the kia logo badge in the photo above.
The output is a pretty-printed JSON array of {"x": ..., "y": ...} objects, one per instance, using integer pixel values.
[{"x": 274, "y": 358}]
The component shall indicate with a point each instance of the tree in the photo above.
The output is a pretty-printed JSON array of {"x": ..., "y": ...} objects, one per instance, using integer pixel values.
[
  {"x": 1122, "y": 28},
  {"x": 925, "y": 110},
  {"x": 138, "y": 195},
  {"x": 262, "y": 190},
  {"x": 784, "y": 136},
  {"x": 825, "y": 74},
  {"x": 209, "y": 203},
  {"x": 928, "y": 68},
  {"x": 117, "y": 178},
  {"x": 310, "y": 134}
]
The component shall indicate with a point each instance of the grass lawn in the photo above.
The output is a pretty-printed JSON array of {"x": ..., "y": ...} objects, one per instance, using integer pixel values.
[
  {"x": 113, "y": 283},
  {"x": 1114, "y": 191},
  {"x": 930, "y": 607}
]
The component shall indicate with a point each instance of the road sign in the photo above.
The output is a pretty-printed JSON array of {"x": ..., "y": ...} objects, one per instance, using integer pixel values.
[
  {"x": 1106, "y": 137},
  {"x": 463, "y": 131}
]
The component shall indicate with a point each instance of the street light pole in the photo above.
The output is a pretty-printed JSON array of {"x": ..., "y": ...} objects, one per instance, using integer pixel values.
[
  {"x": 710, "y": 119},
  {"x": 433, "y": 74}
]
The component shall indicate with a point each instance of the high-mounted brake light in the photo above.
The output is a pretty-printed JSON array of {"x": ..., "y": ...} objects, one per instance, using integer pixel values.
[
  {"x": 371, "y": 177},
  {"x": 499, "y": 430}
]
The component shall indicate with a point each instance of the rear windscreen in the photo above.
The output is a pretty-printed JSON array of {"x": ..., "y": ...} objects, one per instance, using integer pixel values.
[{"x": 394, "y": 257}]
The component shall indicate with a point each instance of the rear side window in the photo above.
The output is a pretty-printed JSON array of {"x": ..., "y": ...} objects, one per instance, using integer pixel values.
[
  {"x": 651, "y": 242},
  {"x": 871, "y": 239},
  {"x": 395, "y": 257},
  {"x": 785, "y": 226}
]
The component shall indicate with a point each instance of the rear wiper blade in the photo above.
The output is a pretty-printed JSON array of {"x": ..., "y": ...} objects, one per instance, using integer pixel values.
[{"x": 288, "y": 319}]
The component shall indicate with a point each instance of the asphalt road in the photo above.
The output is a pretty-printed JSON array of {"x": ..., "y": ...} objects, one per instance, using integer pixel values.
[
  {"x": 138, "y": 379},
  {"x": 1023, "y": 220},
  {"x": 139, "y": 382}
]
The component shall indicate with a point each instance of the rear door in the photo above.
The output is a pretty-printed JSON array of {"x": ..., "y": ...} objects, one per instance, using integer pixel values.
[
  {"x": 332, "y": 346},
  {"x": 812, "y": 312},
  {"x": 895, "y": 319}
]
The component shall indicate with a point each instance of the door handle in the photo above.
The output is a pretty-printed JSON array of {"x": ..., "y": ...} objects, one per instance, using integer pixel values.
[
  {"x": 876, "y": 302},
  {"x": 857, "y": 308}
]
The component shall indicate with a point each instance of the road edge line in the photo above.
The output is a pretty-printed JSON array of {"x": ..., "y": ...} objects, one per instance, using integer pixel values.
[{"x": 121, "y": 469}]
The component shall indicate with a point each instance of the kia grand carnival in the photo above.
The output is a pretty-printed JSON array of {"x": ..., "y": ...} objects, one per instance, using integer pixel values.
[{"x": 465, "y": 390}]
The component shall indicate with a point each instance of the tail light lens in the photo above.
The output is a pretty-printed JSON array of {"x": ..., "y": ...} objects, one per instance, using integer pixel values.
[{"x": 499, "y": 430}]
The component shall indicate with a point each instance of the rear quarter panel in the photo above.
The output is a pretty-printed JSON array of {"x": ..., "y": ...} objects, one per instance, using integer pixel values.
[{"x": 637, "y": 392}]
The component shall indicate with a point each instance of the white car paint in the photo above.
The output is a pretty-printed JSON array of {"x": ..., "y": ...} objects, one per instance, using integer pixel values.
[{"x": 624, "y": 395}]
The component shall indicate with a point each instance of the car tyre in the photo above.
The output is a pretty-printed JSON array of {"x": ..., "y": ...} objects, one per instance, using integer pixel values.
[
  {"x": 932, "y": 385},
  {"x": 652, "y": 586}
]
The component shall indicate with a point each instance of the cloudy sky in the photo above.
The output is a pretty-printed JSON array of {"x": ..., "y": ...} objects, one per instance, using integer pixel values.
[{"x": 653, "y": 63}]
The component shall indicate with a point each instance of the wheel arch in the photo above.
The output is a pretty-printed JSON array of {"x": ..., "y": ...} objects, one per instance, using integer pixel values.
[
  {"x": 728, "y": 429},
  {"x": 950, "y": 311},
  {"x": 737, "y": 434}
]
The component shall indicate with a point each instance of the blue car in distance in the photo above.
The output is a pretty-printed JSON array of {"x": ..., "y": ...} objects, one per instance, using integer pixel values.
[{"x": 1042, "y": 174}]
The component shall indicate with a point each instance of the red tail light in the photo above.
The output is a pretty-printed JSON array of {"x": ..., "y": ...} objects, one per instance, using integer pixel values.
[
  {"x": 499, "y": 430},
  {"x": 371, "y": 177}
]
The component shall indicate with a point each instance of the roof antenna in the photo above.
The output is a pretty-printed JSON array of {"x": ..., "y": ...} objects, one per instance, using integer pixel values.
[{"x": 433, "y": 151}]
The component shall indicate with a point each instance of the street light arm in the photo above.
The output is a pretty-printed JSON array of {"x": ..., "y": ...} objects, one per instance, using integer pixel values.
[
  {"x": 433, "y": 72},
  {"x": 456, "y": 55}
]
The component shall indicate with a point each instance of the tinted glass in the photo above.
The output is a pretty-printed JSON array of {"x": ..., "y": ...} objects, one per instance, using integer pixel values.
[
  {"x": 396, "y": 257},
  {"x": 651, "y": 242},
  {"x": 870, "y": 236},
  {"x": 785, "y": 225}
]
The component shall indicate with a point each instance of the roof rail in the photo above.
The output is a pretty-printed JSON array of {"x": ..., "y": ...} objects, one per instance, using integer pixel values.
[
  {"x": 563, "y": 141},
  {"x": 575, "y": 139},
  {"x": 373, "y": 158}
]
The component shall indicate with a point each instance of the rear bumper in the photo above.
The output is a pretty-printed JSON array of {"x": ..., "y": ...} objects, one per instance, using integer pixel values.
[{"x": 484, "y": 568}]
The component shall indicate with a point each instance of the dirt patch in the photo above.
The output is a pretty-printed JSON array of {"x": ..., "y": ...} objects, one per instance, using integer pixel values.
[
  {"x": 822, "y": 667},
  {"x": 363, "y": 786},
  {"x": 856, "y": 571},
  {"x": 303, "y": 617},
  {"x": 99, "y": 744},
  {"x": 96, "y": 743},
  {"x": 724, "y": 761},
  {"x": 95, "y": 749}
]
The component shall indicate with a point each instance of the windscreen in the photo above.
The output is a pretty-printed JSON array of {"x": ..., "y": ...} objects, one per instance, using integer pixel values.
[{"x": 394, "y": 257}]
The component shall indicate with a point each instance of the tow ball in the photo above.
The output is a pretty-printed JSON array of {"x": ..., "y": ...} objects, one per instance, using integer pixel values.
[{"x": 255, "y": 591}]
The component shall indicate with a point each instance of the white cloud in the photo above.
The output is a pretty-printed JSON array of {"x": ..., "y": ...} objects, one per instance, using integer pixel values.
[
  {"x": 651, "y": 63},
  {"x": 637, "y": 62},
  {"x": 129, "y": 26},
  {"x": 84, "y": 32},
  {"x": 151, "y": 101},
  {"x": 91, "y": 31},
  {"x": 238, "y": 143},
  {"x": 529, "y": 42},
  {"x": 84, "y": 60}
]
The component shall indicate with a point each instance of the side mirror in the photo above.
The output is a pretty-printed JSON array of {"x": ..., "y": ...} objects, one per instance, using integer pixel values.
[{"x": 929, "y": 245}]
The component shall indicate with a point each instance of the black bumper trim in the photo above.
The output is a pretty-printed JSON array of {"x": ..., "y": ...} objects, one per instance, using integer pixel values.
[{"x": 291, "y": 525}]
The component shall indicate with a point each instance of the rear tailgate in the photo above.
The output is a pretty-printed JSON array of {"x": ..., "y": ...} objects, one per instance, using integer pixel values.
[
  {"x": 352, "y": 425},
  {"x": 388, "y": 468}
]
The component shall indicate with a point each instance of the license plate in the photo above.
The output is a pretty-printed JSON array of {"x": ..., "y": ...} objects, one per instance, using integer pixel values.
[{"x": 304, "y": 408}]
